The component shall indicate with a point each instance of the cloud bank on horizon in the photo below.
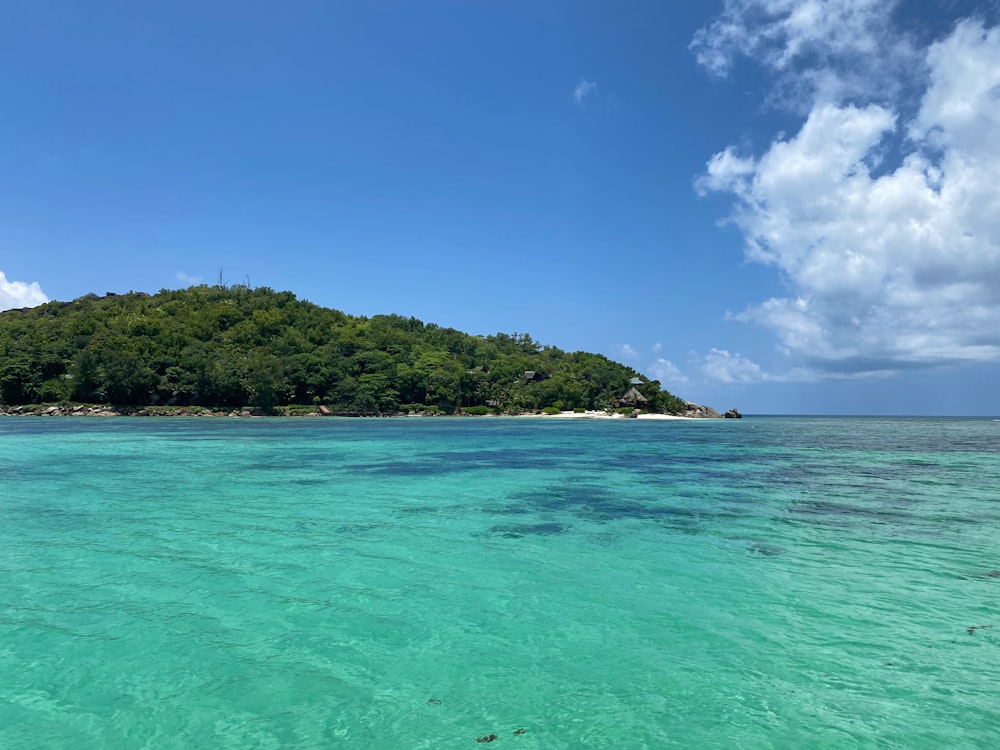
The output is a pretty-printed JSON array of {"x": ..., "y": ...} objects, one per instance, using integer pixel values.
[
  {"x": 881, "y": 214},
  {"x": 16, "y": 294}
]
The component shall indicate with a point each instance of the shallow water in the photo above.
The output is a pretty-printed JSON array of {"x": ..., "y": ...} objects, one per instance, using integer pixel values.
[{"x": 762, "y": 583}]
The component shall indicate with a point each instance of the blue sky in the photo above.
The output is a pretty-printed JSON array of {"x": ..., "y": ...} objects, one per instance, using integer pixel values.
[{"x": 788, "y": 206}]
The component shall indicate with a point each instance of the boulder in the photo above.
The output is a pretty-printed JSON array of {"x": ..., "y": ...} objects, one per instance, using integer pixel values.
[{"x": 697, "y": 411}]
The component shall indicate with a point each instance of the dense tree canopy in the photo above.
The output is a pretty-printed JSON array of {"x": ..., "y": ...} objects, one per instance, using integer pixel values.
[{"x": 237, "y": 346}]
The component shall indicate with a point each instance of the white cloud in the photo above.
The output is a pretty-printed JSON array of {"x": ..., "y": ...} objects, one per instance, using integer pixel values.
[
  {"x": 583, "y": 89},
  {"x": 657, "y": 347},
  {"x": 961, "y": 108},
  {"x": 735, "y": 369},
  {"x": 626, "y": 352},
  {"x": 185, "y": 278},
  {"x": 15, "y": 294},
  {"x": 721, "y": 366},
  {"x": 668, "y": 373},
  {"x": 886, "y": 268},
  {"x": 829, "y": 48},
  {"x": 779, "y": 32}
]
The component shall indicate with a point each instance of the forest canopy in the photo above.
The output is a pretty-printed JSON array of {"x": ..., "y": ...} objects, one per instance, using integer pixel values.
[{"x": 234, "y": 346}]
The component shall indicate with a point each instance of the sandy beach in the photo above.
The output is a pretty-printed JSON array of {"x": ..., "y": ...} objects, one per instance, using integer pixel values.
[
  {"x": 602, "y": 415},
  {"x": 106, "y": 410}
]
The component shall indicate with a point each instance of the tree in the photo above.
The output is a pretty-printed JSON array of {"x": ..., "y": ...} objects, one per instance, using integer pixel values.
[
  {"x": 265, "y": 381},
  {"x": 123, "y": 375},
  {"x": 18, "y": 384},
  {"x": 232, "y": 346},
  {"x": 85, "y": 378}
]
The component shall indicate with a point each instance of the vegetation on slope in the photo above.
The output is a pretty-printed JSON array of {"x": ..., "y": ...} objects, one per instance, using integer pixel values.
[{"x": 237, "y": 346}]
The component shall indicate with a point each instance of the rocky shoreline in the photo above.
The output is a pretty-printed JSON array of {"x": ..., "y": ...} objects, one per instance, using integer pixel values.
[
  {"x": 106, "y": 410},
  {"x": 692, "y": 411}
]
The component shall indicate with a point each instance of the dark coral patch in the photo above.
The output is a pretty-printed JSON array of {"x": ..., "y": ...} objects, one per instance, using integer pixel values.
[
  {"x": 516, "y": 530},
  {"x": 596, "y": 503}
]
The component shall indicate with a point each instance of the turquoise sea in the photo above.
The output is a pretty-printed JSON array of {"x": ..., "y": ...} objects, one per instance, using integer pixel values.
[{"x": 424, "y": 583}]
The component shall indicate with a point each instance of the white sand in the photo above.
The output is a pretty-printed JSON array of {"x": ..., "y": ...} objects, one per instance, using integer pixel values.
[{"x": 601, "y": 415}]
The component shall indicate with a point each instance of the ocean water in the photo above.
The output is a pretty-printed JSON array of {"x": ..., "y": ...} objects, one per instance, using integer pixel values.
[{"x": 424, "y": 583}]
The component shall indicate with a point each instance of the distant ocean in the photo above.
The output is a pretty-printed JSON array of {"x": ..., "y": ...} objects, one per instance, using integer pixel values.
[{"x": 423, "y": 583}]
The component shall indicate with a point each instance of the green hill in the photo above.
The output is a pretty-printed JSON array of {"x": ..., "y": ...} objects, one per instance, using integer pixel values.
[{"x": 236, "y": 346}]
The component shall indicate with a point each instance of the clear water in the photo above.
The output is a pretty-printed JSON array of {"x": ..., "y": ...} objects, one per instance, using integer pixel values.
[{"x": 764, "y": 583}]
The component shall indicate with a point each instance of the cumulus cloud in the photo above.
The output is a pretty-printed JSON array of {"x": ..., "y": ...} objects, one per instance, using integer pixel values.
[
  {"x": 15, "y": 294},
  {"x": 723, "y": 367},
  {"x": 829, "y": 48},
  {"x": 583, "y": 89},
  {"x": 668, "y": 373},
  {"x": 888, "y": 267},
  {"x": 626, "y": 352},
  {"x": 779, "y": 32}
]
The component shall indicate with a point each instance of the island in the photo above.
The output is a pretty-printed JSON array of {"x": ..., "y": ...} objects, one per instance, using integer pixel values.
[{"x": 237, "y": 350}]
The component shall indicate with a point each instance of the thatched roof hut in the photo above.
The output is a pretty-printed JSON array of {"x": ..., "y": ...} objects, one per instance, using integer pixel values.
[{"x": 632, "y": 396}]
